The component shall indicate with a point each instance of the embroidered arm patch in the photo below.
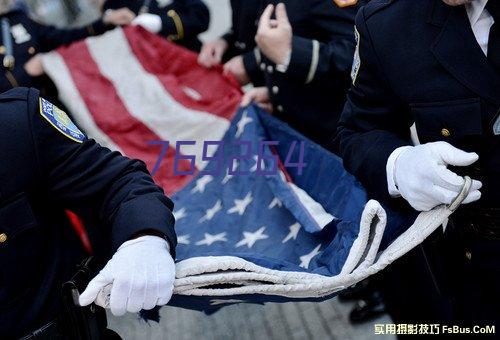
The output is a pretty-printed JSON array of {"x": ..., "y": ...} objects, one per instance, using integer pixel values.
[{"x": 60, "y": 121}]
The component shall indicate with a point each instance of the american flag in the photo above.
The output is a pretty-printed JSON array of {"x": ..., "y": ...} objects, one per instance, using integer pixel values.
[{"x": 262, "y": 213}]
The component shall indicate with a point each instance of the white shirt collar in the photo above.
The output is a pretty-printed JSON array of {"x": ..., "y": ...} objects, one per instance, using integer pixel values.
[
  {"x": 475, "y": 8},
  {"x": 481, "y": 22}
]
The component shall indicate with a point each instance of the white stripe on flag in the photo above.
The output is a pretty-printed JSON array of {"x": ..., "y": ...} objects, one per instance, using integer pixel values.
[
  {"x": 69, "y": 94},
  {"x": 147, "y": 100},
  {"x": 315, "y": 210}
]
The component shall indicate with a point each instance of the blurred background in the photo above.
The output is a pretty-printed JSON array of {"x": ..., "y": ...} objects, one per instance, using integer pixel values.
[{"x": 326, "y": 320}]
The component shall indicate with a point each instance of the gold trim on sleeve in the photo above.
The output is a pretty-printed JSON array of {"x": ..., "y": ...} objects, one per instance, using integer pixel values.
[
  {"x": 90, "y": 29},
  {"x": 12, "y": 80},
  {"x": 178, "y": 25}
]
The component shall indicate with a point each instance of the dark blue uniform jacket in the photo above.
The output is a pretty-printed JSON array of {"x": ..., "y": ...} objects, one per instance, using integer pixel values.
[
  {"x": 182, "y": 20},
  {"x": 241, "y": 36},
  {"x": 310, "y": 95},
  {"x": 29, "y": 38},
  {"x": 42, "y": 173},
  {"x": 420, "y": 64}
]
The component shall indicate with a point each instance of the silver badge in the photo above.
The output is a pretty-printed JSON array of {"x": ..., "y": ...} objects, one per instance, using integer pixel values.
[{"x": 20, "y": 34}]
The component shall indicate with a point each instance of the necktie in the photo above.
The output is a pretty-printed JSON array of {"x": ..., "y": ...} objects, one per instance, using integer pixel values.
[{"x": 493, "y": 7}]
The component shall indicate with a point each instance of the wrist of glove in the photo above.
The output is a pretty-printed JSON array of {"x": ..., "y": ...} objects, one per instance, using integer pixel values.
[
  {"x": 140, "y": 275},
  {"x": 150, "y": 22},
  {"x": 421, "y": 176}
]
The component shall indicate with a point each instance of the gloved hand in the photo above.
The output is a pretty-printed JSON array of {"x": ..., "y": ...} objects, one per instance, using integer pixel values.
[
  {"x": 142, "y": 273},
  {"x": 420, "y": 175},
  {"x": 151, "y": 22}
]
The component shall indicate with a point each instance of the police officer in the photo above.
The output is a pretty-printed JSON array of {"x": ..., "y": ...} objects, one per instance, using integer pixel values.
[
  {"x": 304, "y": 57},
  {"x": 27, "y": 38},
  {"x": 177, "y": 20},
  {"x": 237, "y": 48},
  {"x": 422, "y": 112},
  {"x": 48, "y": 166}
]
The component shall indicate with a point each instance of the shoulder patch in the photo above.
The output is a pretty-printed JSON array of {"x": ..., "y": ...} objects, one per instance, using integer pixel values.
[
  {"x": 356, "y": 63},
  {"x": 60, "y": 121}
]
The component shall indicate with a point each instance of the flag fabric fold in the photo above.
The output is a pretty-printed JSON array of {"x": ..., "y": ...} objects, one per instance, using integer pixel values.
[
  {"x": 262, "y": 213},
  {"x": 268, "y": 251}
]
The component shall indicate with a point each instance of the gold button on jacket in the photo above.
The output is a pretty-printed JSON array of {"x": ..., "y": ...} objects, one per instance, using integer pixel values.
[
  {"x": 445, "y": 133},
  {"x": 468, "y": 255}
]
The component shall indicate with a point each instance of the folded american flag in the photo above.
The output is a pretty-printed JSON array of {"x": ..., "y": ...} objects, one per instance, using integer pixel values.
[{"x": 263, "y": 214}]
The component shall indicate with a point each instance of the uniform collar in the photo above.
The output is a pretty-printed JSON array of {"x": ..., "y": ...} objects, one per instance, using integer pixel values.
[
  {"x": 457, "y": 50},
  {"x": 475, "y": 9}
]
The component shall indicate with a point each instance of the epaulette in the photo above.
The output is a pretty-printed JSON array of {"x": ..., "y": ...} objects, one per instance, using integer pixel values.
[
  {"x": 375, "y": 6},
  {"x": 18, "y": 93}
]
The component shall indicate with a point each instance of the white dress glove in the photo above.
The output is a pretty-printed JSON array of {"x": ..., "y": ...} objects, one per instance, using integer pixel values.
[
  {"x": 142, "y": 274},
  {"x": 420, "y": 175},
  {"x": 151, "y": 22}
]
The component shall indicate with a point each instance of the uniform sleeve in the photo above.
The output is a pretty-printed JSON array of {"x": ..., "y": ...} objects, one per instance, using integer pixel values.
[
  {"x": 184, "y": 19},
  {"x": 88, "y": 179},
  {"x": 374, "y": 121},
  {"x": 331, "y": 57},
  {"x": 113, "y": 4},
  {"x": 251, "y": 61},
  {"x": 229, "y": 37},
  {"x": 51, "y": 37},
  {"x": 17, "y": 77}
]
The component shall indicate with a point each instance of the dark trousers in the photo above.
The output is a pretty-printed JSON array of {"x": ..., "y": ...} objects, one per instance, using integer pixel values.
[
  {"x": 477, "y": 295},
  {"x": 451, "y": 279}
]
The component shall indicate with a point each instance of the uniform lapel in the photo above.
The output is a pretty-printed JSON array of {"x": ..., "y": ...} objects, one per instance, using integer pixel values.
[{"x": 457, "y": 50}]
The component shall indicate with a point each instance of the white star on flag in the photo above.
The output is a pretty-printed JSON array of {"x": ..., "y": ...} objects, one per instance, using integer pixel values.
[
  {"x": 183, "y": 239},
  {"x": 275, "y": 202},
  {"x": 294, "y": 231},
  {"x": 243, "y": 122},
  {"x": 254, "y": 167},
  {"x": 249, "y": 239},
  {"x": 241, "y": 205},
  {"x": 305, "y": 260},
  {"x": 181, "y": 213},
  {"x": 209, "y": 239},
  {"x": 210, "y": 213},
  {"x": 201, "y": 183},
  {"x": 228, "y": 176}
]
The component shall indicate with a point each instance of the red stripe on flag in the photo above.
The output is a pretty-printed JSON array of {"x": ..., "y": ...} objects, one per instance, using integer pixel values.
[
  {"x": 281, "y": 166},
  {"x": 178, "y": 71},
  {"x": 113, "y": 118}
]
